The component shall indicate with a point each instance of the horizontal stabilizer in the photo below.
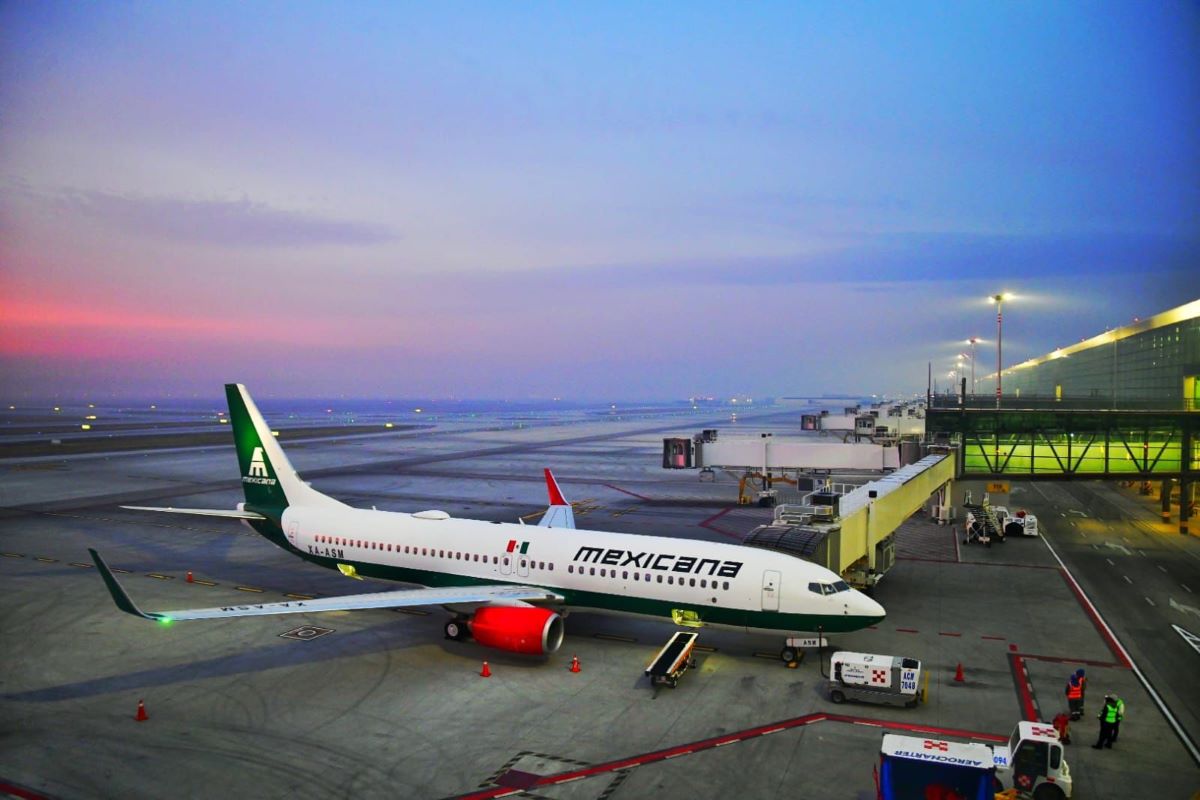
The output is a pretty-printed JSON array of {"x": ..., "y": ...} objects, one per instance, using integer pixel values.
[
  {"x": 449, "y": 595},
  {"x": 200, "y": 512}
]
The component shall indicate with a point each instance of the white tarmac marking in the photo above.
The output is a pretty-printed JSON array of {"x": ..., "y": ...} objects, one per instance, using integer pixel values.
[
  {"x": 1126, "y": 577},
  {"x": 1186, "y": 588},
  {"x": 1148, "y": 600},
  {"x": 1111, "y": 563},
  {"x": 1184, "y": 608},
  {"x": 1162, "y": 568},
  {"x": 1188, "y": 637},
  {"x": 1125, "y": 551},
  {"x": 1154, "y": 696}
]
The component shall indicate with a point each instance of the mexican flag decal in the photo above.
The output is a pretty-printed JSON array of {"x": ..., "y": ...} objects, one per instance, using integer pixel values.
[{"x": 512, "y": 546}]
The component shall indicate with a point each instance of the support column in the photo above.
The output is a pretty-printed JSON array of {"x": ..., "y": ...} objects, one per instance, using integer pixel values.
[
  {"x": 1185, "y": 504},
  {"x": 1166, "y": 500}
]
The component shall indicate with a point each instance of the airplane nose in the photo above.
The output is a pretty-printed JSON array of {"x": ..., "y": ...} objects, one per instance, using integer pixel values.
[{"x": 870, "y": 608}]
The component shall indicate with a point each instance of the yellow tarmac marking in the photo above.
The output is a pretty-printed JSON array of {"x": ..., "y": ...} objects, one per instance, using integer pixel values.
[
  {"x": 204, "y": 583},
  {"x": 772, "y": 656},
  {"x": 298, "y": 596},
  {"x": 613, "y": 637},
  {"x": 248, "y": 589},
  {"x": 160, "y": 577},
  {"x": 45, "y": 560},
  {"x": 416, "y": 612},
  {"x": 12, "y": 555},
  {"x": 80, "y": 564},
  {"x": 118, "y": 569}
]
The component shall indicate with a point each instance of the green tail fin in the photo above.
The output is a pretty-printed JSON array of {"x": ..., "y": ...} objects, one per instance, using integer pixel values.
[{"x": 260, "y": 466}]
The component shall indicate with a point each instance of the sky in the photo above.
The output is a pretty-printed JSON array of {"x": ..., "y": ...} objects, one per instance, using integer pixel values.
[{"x": 594, "y": 201}]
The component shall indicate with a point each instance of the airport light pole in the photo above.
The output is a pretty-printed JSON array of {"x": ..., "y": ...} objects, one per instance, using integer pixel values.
[
  {"x": 973, "y": 341},
  {"x": 999, "y": 299}
]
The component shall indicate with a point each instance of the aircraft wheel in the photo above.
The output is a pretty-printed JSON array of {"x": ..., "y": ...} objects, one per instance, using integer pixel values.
[
  {"x": 456, "y": 630},
  {"x": 788, "y": 654}
]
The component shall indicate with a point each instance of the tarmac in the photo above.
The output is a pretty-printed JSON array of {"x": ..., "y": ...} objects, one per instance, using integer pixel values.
[{"x": 379, "y": 704}]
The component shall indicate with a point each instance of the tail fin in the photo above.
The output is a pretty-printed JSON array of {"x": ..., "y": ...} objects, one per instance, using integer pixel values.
[{"x": 268, "y": 479}]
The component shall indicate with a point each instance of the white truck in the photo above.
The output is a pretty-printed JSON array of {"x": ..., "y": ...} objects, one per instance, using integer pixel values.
[
  {"x": 874, "y": 678},
  {"x": 1032, "y": 762},
  {"x": 1022, "y": 524}
]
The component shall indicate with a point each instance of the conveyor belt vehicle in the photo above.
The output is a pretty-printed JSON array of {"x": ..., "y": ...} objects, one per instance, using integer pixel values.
[{"x": 673, "y": 660}]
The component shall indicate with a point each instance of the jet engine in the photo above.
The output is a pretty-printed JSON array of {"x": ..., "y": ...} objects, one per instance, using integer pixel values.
[{"x": 517, "y": 629}]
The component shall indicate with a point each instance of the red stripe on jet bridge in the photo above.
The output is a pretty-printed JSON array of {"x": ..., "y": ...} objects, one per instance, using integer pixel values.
[{"x": 731, "y": 738}]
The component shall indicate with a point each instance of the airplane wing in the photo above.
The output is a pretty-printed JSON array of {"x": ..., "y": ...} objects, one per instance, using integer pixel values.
[
  {"x": 559, "y": 514},
  {"x": 451, "y": 595},
  {"x": 202, "y": 512}
]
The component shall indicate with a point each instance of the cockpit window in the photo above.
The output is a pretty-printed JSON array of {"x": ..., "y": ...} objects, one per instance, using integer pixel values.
[
  {"x": 815, "y": 587},
  {"x": 840, "y": 586},
  {"x": 828, "y": 588}
]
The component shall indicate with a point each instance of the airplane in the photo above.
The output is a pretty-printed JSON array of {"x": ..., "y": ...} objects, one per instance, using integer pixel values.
[{"x": 509, "y": 585}]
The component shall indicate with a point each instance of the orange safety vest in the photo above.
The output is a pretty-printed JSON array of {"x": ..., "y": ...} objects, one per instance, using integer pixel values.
[{"x": 1074, "y": 690}]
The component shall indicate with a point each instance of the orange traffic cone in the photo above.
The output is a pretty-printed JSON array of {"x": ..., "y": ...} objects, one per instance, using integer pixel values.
[
  {"x": 189, "y": 577},
  {"x": 575, "y": 664},
  {"x": 958, "y": 676},
  {"x": 141, "y": 712},
  {"x": 486, "y": 672}
]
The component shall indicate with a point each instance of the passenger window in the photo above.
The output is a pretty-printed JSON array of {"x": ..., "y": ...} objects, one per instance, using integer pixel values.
[
  {"x": 593, "y": 570},
  {"x": 691, "y": 582},
  {"x": 495, "y": 559},
  {"x": 522, "y": 562},
  {"x": 603, "y": 573},
  {"x": 660, "y": 578},
  {"x": 725, "y": 585},
  {"x": 570, "y": 567},
  {"x": 671, "y": 579},
  {"x": 647, "y": 577},
  {"x": 624, "y": 574},
  {"x": 703, "y": 583},
  {"x": 552, "y": 566},
  {"x": 506, "y": 561},
  {"x": 637, "y": 577}
]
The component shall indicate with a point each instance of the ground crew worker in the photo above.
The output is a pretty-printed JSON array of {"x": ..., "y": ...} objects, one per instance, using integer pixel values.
[
  {"x": 1108, "y": 722},
  {"x": 1120, "y": 716},
  {"x": 1075, "y": 696},
  {"x": 1082, "y": 676}
]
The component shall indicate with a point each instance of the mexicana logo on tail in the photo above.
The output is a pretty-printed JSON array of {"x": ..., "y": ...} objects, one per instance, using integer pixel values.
[{"x": 258, "y": 470}]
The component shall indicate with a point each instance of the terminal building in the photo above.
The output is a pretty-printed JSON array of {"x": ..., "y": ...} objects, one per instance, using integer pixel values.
[
  {"x": 1122, "y": 405},
  {"x": 1151, "y": 364}
]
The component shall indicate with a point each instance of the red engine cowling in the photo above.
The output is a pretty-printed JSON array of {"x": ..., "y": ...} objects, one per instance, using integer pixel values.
[{"x": 518, "y": 629}]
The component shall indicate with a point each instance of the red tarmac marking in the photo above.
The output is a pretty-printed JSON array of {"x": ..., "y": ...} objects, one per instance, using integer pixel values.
[
  {"x": 944, "y": 633},
  {"x": 924, "y": 558},
  {"x": 730, "y": 738},
  {"x": 1024, "y": 690},
  {"x": 906, "y": 630},
  {"x": 20, "y": 791},
  {"x": 626, "y": 491},
  {"x": 995, "y": 638},
  {"x": 708, "y": 524},
  {"x": 1061, "y": 660},
  {"x": 1101, "y": 628}
]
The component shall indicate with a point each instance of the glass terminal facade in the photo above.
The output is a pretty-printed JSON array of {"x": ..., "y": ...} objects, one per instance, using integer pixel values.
[{"x": 1152, "y": 364}]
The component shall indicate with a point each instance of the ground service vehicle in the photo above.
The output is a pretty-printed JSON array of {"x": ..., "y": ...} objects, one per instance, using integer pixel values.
[
  {"x": 673, "y": 660},
  {"x": 874, "y": 678},
  {"x": 1032, "y": 762}
]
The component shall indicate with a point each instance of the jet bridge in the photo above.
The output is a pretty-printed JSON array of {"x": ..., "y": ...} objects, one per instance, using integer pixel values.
[{"x": 854, "y": 537}]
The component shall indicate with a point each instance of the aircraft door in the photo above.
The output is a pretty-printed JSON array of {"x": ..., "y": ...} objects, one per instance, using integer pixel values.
[
  {"x": 770, "y": 590},
  {"x": 522, "y": 564},
  {"x": 506, "y": 562}
]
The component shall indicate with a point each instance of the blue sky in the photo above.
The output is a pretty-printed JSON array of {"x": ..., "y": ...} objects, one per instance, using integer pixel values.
[{"x": 590, "y": 201}]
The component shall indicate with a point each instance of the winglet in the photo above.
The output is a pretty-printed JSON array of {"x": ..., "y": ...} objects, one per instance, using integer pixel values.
[
  {"x": 556, "y": 498},
  {"x": 117, "y": 591}
]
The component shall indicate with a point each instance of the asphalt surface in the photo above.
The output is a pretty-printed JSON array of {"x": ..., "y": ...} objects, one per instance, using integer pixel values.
[{"x": 1142, "y": 575}]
